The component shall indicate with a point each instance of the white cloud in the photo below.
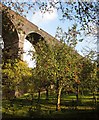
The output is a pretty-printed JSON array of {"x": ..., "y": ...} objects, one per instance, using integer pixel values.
[
  {"x": 39, "y": 17},
  {"x": 50, "y": 15}
]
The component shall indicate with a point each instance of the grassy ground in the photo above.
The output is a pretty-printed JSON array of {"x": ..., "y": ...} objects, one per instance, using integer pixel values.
[{"x": 24, "y": 107}]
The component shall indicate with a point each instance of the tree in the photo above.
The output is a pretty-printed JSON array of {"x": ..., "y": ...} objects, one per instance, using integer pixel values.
[
  {"x": 66, "y": 69},
  {"x": 43, "y": 73},
  {"x": 88, "y": 76},
  {"x": 15, "y": 75},
  {"x": 56, "y": 64}
]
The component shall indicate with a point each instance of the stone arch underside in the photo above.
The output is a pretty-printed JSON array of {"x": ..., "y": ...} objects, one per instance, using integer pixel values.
[{"x": 34, "y": 38}]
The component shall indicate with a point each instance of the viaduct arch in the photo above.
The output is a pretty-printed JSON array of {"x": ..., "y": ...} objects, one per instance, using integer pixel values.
[{"x": 16, "y": 28}]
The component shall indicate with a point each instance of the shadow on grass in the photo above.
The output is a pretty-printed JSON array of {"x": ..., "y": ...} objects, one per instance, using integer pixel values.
[
  {"x": 63, "y": 114},
  {"x": 28, "y": 109}
]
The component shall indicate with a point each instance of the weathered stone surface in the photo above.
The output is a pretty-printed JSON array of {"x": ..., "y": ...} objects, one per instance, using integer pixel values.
[{"x": 16, "y": 28}]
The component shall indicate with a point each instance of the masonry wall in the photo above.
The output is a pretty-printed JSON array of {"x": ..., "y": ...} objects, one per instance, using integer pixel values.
[{"x": 16, "y": 28}]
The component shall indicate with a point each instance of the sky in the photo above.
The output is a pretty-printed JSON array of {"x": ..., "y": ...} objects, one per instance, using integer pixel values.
[{"x": 49, "y": 23}]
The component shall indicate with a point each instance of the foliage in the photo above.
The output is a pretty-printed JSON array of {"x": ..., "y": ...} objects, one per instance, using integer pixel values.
[
  {"x": 15, "y": 75},
  {"x": 55, "y": 64},
  {"x": 70, "y": 37},
  {"x": 88, "y": 76},
  {"x": 84, "y": 13}
]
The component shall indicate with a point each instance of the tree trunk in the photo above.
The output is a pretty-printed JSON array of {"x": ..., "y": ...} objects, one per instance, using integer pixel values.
[
  {"x": 77, "y": 94},
  {"x": 46, "y": 93},
  {"x": 32, "y": 96},
  {"x": 94, "y": 98},
  {"x": 82, "y": 91},
  {"x": 39, "y": 95},
  {"x": 58, "y": 107}
]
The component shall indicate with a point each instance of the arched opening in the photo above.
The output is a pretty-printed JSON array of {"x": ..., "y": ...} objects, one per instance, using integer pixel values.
[
  {"x": 30, "y": 46},
  {"x": 34, "y": 38},
  {"x": 10, "y": 37}
]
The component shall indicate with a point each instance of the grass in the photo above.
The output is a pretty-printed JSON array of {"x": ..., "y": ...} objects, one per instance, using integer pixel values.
[{"x": 24, "y": 107}]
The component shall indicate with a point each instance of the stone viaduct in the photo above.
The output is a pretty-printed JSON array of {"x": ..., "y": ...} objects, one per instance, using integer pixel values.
[{"x": 15, "y": 29}]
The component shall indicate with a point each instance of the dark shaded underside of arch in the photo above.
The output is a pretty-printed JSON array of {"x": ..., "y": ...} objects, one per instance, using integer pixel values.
[
  {"x": 10, "y": 37},
  {"x": 34, "y": 38}
]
